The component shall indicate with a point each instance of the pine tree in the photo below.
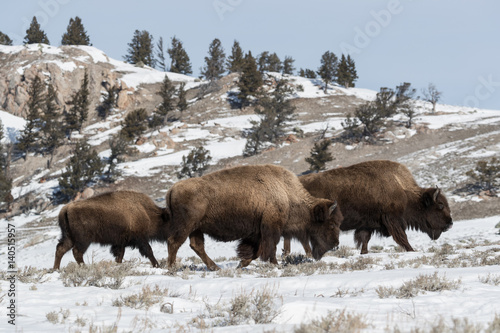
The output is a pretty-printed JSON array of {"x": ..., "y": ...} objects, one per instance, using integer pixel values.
[
  {"x": 319, "y": 156},
  {"x": 405, "y": 102},
  {"x": 83, "y": 167},
  {"x": 370, "y": 116},
  {"x": 351, "y": 69},
  {"x": 4, "y": 39},
  {"x": 118, "y": 147},
  {"x": 343, "y": 72},
  {"x": 250, "y": 80},
  {"x": 263, "y": 62},
  {"x": 79, "y": 109},
  {"x": 274, "y": 63},
  {"x": 236, "y": 59},
  {"x": 109, "y": 101},
  {"x": 134, "y": 124},
  {"x": 180, "y": 59},
  {"x": 5, "y": 180},
  {"x": 182, "y": 103},
  {"x": 214, "y": 63},
  {"x": 384, "y": 102},
  {"x": 195, "y": 163},
  {"x": 329, "y": 68},
  {"x": 140, "y": 49},
  {"x": 52, "y": 136},
  {"x": 29, "y": 139},
  {"x": 75, "y": 33},
  {"x": 160, "y": 55},
  {"x": 34, "y": 35},
  {"x": 166, "y": 92},
  {"x": 288, "y": 65}
]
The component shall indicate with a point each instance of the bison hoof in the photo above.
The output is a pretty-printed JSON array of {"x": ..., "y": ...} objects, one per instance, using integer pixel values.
[{"x": 214, "y": 268}]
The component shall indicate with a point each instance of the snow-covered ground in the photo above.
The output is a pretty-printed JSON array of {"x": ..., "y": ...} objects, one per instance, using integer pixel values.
[{"x": 468, "y": 256}]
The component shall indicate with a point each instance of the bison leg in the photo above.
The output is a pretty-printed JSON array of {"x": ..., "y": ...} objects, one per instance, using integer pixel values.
[
  {"x": 62, "y": 247},
  {"x": 395, "y": 228},
  {"x": 173, "y": 244},
  {"x": 362, "y": 237},
  {"x": 270, "y": 237},
  {"x": 79, "y": 251},
  {"x": 146, "y": 251},
  {"x": 197, "y": 243},
  {"x": 247, "y": 250},
  {"x": 118, "y": 251},
  {"x": 286, "y": 246}
]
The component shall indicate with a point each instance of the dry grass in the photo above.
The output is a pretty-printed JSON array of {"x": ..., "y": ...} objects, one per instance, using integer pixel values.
[
  {"x": 31, "y": 274},
  {"x": 147, "y": 297},
  {"x": 105, "y": 274},
  {"x": 490, "y": 279},
  {"x": 421, "y": 284},
  {"x": 56, "y": 317},
  {"x": 457, "y": 325},
  {"x": 338, "y": 321}
]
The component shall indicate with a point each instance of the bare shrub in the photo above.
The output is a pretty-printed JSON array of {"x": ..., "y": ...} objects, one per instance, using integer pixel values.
[
  {"x": 344, "y": 252},
  {"x": 296, "y": 259},
  {"x": 147, "y": 297},
  {"x": 359, "y": 264},
  {"x": 256, "y": 307},
  {"x": 490, "y": 279},
  {"x": 338, "y": 321},
  {"x": 31, "y": 274},
  {"x": 105, "y": 274},
  {"x": 56, "y": 317},
  {"x": 421, "y": 283}
]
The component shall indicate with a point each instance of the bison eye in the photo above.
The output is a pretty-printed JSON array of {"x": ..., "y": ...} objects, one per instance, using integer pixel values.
[{"x": 441, "y": 206}]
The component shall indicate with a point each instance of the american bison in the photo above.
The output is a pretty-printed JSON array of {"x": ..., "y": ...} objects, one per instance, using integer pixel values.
[
  {"x": 253, "y": 204},
  {"x": 119, "y": 219},
  {"x": 381, "y": 197}
]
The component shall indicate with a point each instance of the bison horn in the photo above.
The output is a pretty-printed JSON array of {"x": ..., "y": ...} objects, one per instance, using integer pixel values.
[
  {"x": 436, "y": 194},
  {"x": 332, "y": 208}
]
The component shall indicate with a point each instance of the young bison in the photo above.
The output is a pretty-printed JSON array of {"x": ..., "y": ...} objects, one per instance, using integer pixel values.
[
  {"x": 254, "y": 204},
  {"x": 119, "y": 219},
  {"x": 381, "y": 197}
]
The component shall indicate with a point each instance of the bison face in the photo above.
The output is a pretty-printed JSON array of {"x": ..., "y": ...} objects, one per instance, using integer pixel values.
[
  {"x": 325, "y": 230},
  {"x": 437, "y": 213}
]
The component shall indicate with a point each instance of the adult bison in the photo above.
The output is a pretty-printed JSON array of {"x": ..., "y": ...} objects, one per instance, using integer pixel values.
[
  {"x": 381, "y": 197},
  {"x": 254, "y": 204},
  {"x": 119, "y": 219}
]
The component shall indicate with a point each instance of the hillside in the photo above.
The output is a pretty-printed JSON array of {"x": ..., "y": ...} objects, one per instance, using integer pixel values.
[{"x": 439, "y": 149}]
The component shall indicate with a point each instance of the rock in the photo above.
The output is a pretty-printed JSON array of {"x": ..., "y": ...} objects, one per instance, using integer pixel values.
[
  {"x": 142, "y": 140},
  {"x": 123, "y": 101},
  {"x": 291, "y": 138}
]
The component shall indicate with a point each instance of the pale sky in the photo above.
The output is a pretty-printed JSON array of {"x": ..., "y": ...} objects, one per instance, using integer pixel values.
[{"x": 451, "y": 43}]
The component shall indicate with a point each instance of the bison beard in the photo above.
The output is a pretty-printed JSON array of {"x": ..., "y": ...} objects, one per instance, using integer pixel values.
[
  {"x": 380, "y": 197},
  {"x": 253, "y": 204},
  {"x": 119, "y": 219}
]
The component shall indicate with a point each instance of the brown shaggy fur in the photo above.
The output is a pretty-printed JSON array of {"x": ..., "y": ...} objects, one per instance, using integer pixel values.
[
  {"x": 381, "y": 197},
  {"x": 119, "y": 219},
  {"x": 254, "y": 204}
]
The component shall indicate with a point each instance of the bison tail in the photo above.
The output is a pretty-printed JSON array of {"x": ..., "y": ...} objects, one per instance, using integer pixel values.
[
  {"x": 64, "y": 224},
  {"x": 167, "y": 211}
]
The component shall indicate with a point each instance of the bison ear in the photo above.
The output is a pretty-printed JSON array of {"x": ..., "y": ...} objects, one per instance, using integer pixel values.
[
  {"x": 320, "y": 213},
  {"x": 332, "y": 208},
  {"x": 430, "y": 196}
]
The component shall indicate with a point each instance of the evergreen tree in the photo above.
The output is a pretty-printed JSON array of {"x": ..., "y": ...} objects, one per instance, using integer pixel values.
[
  {"x": 275, "y": 111},
  {"x": 109, "y": 101},
  {"x": 180, "y": 59},
  {"x": 319, "y": 156},
  {"x": 167, "y": 93},
  {"x": 487, "y": 175},
  {"x": 404, "y": 102},
  {"x": 118, "y": 147},
  {"x": 4, "y": 39},
  {"x": 29, "y": 139},
  {"x": 274, "y": 63},
  {"x": 329, "y": 68},
  {"x": 83, "y": 167},
  {"x": 288, "y": 65},
  {"x": 79, "y": 110},
  {"x": 140, "y": 49},
  {"x": 195, "y": 163},
  {"x": 236, "y": 59},
  {"x": 370, "y": 116},
  {"x": 52, "y": 136},
  {"x": 250, "y": 80},
  {"x": 182, "y": 103},
  {"x": 384, "y": 102},
  {"x": 351, "y": 69},
  {"x": 343, "y": 72},
  {"x": 34, "y": 35},
  {"x": 214, "y": 63},
  {"x": 75, "y": 33},
  {"x": 5, "y": 180},
  {"x": 134, "y": 124},
  {"x": 160, "y": 55},
  {"x": 262, "y": 61}
]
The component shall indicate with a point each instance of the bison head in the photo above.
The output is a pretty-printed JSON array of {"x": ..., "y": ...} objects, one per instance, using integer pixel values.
[
  {"x": 325, "y": 228},
  {"x": 437, "y": 213}
]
